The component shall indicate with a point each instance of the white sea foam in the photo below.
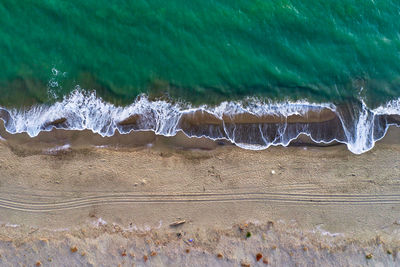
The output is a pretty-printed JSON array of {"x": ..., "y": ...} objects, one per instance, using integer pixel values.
[
  {"x": 57, "y": 149},
  {"x": 392, "y": 108},
  {"x": 358, "y": 127}
]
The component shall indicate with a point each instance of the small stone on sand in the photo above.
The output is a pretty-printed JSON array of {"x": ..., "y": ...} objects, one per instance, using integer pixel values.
[{"x": 180, "y": 222}]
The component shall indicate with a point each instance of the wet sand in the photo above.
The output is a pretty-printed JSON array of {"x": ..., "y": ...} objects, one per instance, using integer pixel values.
[{"x": 301, "y": 205}]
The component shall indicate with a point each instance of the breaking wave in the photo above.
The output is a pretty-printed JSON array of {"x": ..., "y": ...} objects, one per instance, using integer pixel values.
[{"x": 250, "y": 124}]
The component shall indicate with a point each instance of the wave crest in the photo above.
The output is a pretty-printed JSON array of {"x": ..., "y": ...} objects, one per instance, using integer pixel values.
[{"x": 250, "y": 124}]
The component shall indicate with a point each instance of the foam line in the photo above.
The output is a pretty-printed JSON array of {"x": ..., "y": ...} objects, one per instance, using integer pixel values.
[{"x": 250, "y": 124}]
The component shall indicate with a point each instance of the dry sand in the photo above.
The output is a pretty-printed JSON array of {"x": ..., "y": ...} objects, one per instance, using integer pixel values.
[{"x": 301, "y": 205}]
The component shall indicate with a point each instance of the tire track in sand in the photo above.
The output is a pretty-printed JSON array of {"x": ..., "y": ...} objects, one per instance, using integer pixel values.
[{"x": 15, "y": 202}]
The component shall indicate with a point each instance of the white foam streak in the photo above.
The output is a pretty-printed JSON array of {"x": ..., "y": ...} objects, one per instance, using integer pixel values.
[
  {"x": 84, "y": 110},
  {"x": 391, "y": 108}
]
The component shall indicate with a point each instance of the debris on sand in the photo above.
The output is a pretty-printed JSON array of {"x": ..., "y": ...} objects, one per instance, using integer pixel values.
[
  {"x": 245, "y": 264},
  {"x": 177, "y": 223},
  {"x": 74, "y": 249},
  {"x": 220, "y": 256},
  {"x": 153, "y": 253},
  {"x": 265, "y": 261},
  {"x": 259, "y": 256},
  {"x": 248, "y": 235},
  {"x": 368, "y": 256},
  {"x": 145, "y": 258},
  {"x": 242, "y": 227},
  {"x": 38, "y": 263}
]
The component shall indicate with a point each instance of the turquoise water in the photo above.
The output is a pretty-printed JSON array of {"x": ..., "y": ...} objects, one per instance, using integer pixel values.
[
  {"x": 82, "y": 65},
  {"x": 200, "y": 51}
]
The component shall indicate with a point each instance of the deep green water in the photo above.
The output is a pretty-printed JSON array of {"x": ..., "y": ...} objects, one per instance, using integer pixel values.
[{"x": 200, "y": 51}]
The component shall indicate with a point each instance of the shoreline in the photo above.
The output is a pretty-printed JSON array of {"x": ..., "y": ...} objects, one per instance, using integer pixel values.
[
  {"x": 61, "y": 139},
  {"x": 253, "y": 125},
  {"x": 326, "y": 199}
]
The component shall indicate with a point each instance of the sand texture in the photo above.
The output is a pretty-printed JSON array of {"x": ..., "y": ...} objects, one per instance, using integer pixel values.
[{"x": 295, "y": 206}]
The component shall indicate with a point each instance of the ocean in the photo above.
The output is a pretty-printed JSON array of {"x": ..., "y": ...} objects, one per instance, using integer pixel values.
[{"x": 255, "y": 73}]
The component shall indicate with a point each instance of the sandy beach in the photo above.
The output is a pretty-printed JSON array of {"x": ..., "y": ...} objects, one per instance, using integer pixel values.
[{"x": 109, "y": 206}]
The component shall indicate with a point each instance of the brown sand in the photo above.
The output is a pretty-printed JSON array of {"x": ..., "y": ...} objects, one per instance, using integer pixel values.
[{"x": 301, "y": 206}]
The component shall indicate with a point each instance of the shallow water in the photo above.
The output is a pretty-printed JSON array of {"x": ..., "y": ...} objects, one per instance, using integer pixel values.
[
  {"x": 202, "y": 51},
  {"x": 282, "y": 59}
]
